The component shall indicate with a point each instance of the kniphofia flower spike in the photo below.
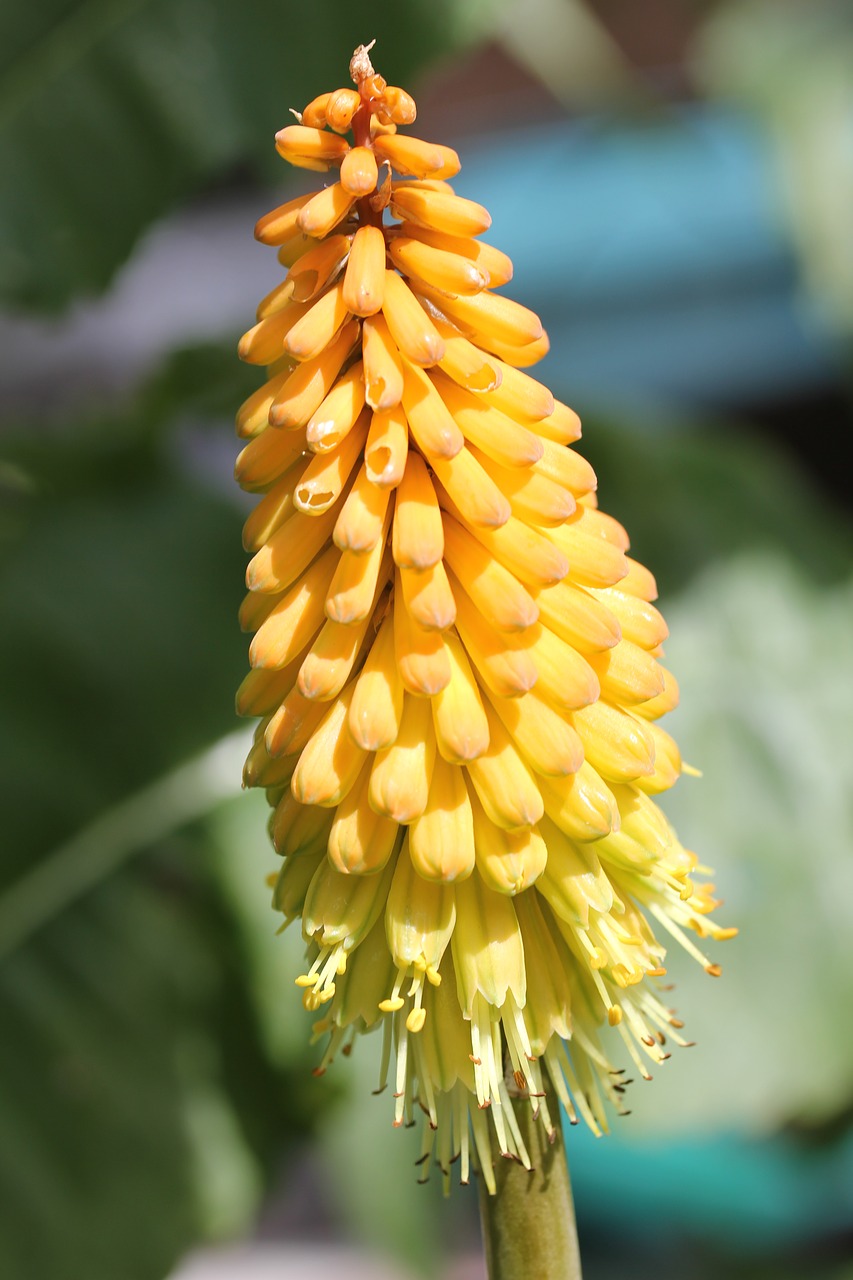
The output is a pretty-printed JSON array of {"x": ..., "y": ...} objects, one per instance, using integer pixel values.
[{"x": 455, "y": 661}]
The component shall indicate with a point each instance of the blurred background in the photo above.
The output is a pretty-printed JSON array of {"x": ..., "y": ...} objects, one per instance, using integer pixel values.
[{"x": 674, "y": 180}]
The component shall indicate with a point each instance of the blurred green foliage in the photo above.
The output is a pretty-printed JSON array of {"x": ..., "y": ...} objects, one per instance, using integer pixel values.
[{"x": 156, "y": 1060}]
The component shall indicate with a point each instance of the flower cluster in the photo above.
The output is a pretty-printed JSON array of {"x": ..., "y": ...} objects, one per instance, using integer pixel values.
[{"x": 454, "y": 657}]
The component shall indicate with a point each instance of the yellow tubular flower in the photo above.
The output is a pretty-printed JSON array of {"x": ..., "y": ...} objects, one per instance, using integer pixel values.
[{"x": 456, "y": 661}]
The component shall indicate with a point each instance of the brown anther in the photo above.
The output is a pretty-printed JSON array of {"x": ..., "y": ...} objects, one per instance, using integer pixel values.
[
  {"x": 519, "y": 1078},
  {"x": 318, "y": 1071},
  {"x": 714, "y": 970}
]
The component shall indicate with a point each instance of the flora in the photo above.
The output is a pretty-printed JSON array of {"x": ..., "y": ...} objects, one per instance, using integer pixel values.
[{"x": 455, "y": 661}]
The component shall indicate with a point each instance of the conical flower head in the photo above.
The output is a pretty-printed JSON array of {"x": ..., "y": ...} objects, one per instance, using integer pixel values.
[{"x": 456, "y": 661}]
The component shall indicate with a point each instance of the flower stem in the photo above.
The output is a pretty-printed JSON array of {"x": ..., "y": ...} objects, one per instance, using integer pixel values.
[{"x": 529, "y": 1227}]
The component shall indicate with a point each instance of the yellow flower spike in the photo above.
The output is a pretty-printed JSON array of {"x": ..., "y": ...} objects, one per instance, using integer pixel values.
[
  {"x": 566, "y": 678},
  {"x": 488, "y": 317},
  {"x": 533, "y": 498},
  {"x": 335, "y": 652},
  {"x": 456, "y": 662},
  {"x": 628, "y": 674},
  {"x": 314, "y": 115},
  {"x": 593, "y": 562},
  {"x": 310, "y": 383},
  {"x": 399, "y": 105},
  {"x": 376, "y": 709},
  {"x": 359, "y": 172},
  {"x": 418, "y": 533},
  {"x": 297, "y": 143},
  {"x": 496, "y": 594},
  {"x": 667, "y": 759},
  {"x": 574, "y": 882},
  {"x": 496, "y": 266},
  {"x": 352, "y": 591},
  {"x": 264, "y": 342},
  {"x": 508, "y": 861},
  {"x": 281, "y": 224},
  {"x": 324, "y": 211},
  {"x": 638, "y": 582},
  {"x": 522, "y": 399},
  {"x": 665, "y": 701},
  {"x": 582, "y": 805},
  {"x": 506, "y": 787},
  {"x": 290, "y": 550},
  {"x": 421, "y": 655},
  {"x": 499, "y": 437},
  {"x": 459, "y": 718},
  {"x": 364, "y": 282},
  {"x": 261, "y": 770},
  {"x": 310, "y": 272},
  {"x": 441, "y": 840},
  {"x": 488, "y": 954},
  {"x": 273, "y": 509},
  {"x": 502, "y": 661},
  {"x": 339, "y": 412},
  {"x": 472, "y": 490},
  {"x": 293, "y": 722},
  {"x": 401, "y": 774},
  {"x": 261, "y": 692},
  {"x": 329, "y": 473},
  {"x": 360, "y": 841},
  {"x": 299, "y": 829},
  {"x": 255, "y": 609},
  {"x": 265, "y": 459},
  {"x": 620, "y": 747},
  {"x": 432, "y": 425},
  {"x": 387, "y": 448},
  {"x": 578, "y": 617},
  {"x": 440, "y": 210},
  {"x": 296, "y": 618},
  {"x": 423, "y": 159},
  {"x": 428, "y": 598},
  {"x": 362, "y": 521},
  {"x": 383, "y": 368},
  {"x": 639, "y": 621},
  {"x": 254, "y": 413},
  {"x": 317, "y": 328},
  {"x": 520, "y": 357},
  {"x": 597, "y": 524},
  {"x": 419, "y": 919},
  {"x": 525, "y": 552},
  {"x": 570, "y": 471},
  {"x": 339, "y": 109},
  {"x": 369, "y": 974},
  {"x": 330, "y": 761},
  {"x": 545, "y": 739},
  {"x": 466, "y": 365},
  {"x": 339, "y": 912},
  {"x": 295, "y": 247},
  {"x": 548, "y": 1011},
  {"x": 447, "y": 272},
  {"x": 411, "y": 328},
  {"x": 291, "y": 885}
]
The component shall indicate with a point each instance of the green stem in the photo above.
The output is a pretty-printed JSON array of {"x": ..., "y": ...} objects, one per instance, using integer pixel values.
[{"x": 529, "y": 1227}]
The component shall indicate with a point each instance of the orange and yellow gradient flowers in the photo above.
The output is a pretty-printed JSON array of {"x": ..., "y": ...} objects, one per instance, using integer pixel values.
[{"x": 454, "y": 657}]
